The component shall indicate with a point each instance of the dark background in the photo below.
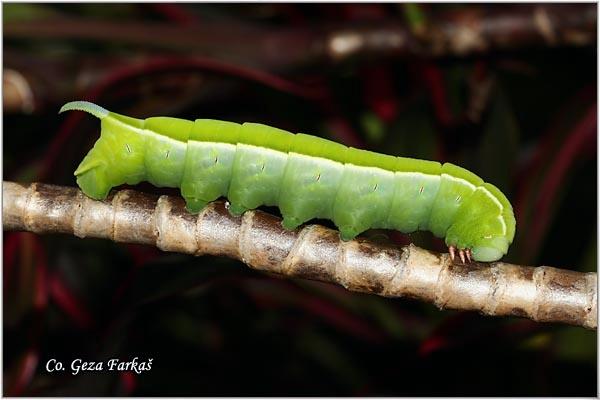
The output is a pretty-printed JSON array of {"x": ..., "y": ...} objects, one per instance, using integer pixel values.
[{"x": 507, "y": 91}]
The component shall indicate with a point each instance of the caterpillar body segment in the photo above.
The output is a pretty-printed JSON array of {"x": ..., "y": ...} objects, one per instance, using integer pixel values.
[{"x": 305, "y": 176}]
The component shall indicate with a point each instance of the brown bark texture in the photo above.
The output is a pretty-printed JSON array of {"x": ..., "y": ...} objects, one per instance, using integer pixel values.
[{"x": 544, "y": 294}]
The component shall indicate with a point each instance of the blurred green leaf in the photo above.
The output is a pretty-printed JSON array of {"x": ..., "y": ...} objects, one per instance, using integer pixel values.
[
  {"x": 412, "y": 134},
  {"x": 415, "y": 17},
  {"x": 16, "y": 12},
  {"x": 373, "y": 127},
  {"x": 576, "y": 344}
]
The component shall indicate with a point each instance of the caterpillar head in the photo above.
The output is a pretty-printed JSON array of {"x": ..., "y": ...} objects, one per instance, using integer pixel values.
[
  {"x": 490, "y": 248},
  {"x": 485, "y": 235},
  {"x": 485, "y": 224}
]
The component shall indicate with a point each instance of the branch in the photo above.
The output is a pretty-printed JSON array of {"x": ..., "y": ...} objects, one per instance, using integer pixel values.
[
  {"x": 542, "y": 294},
  {"x": 473, "y": 29}
]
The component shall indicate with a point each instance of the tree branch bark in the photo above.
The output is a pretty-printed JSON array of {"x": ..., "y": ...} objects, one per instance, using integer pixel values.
[{"x": 542, "y": 294}]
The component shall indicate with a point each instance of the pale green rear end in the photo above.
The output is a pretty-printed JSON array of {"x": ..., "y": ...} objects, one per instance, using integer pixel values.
[{"x": 116, "y": 158}]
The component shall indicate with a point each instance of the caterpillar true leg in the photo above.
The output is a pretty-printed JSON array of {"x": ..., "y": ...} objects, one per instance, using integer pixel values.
[
  {"x": 461, "y": 253},
  {"x": 452, "y": 251}
]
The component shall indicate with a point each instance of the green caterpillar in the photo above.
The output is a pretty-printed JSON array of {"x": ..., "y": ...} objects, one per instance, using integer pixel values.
[{"x": 305, "y": 176}]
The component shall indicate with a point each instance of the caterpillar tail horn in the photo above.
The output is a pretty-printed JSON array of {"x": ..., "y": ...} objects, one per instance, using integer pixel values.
[{"x": 94, "y": 109}]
